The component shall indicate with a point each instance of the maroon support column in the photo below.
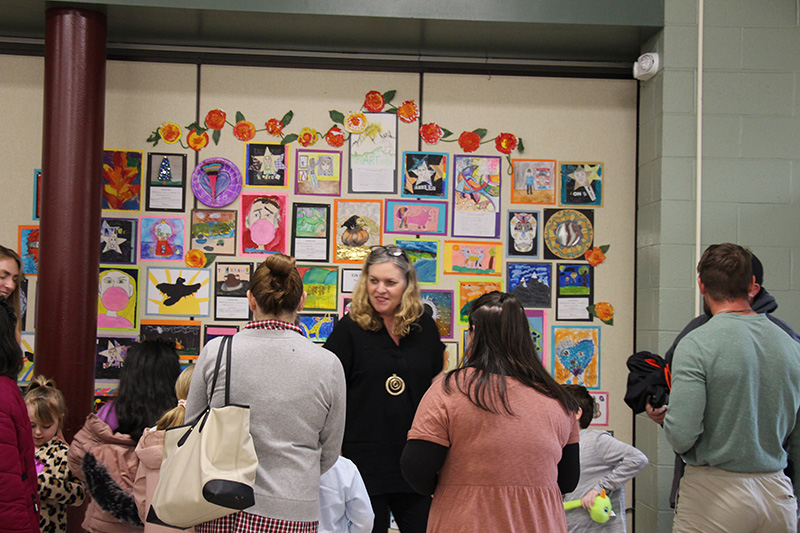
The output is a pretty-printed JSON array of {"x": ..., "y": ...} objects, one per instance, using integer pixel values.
[{"x": 69, "y": 240}]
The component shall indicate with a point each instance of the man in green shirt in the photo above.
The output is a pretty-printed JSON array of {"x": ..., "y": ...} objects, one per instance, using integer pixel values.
[{"x": 734, "y": 406}]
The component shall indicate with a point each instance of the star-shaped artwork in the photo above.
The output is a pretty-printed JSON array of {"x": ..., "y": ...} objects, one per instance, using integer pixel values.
[
  {"x": 423, "y": 174},
  {"x": 114, "y": 355},
  {"x": 112, "y": 241}
]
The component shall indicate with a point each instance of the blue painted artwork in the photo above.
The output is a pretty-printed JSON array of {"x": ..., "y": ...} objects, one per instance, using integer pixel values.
[
  {"x": 530, "y": 283},
  {"x": 423, "y": 256}
]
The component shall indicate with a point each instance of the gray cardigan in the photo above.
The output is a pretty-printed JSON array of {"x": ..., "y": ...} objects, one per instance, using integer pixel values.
[{"x": 296, "y": 393}]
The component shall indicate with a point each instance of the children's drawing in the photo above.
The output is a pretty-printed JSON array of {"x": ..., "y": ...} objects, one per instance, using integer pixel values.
[
  {"x": 582, "y": 184},
  {"x": 534, "y": 181},
  {"x": 530, "y": 283},
  {"x": 267, "y": 164},
  {"x": 214, "y": 231},
  {"x": 319, "y": 172},
  {"x": 162, "y": 238},
  {"x": 166, "y": 182},
  {"x": 439, "y": 305},
  {"x": 523, "y": 234},
  {"x": 576, "y": 355},
  {"x": 216, "y": 182},
  {"x": 118, "y": 295},
  {"x": 419, "y": 218},
  {"x": 27, "y": 342},
  {"x": 311, "y": 232},
  {"x": 345, "y": 304},
  {"x": 317, "y": 326},
  {"x": 118, "y": 241},
  {"x": 476, "y": 197},
  {"x": 358, "y": 227},
  {"x": 537, "y": 322},
  {"x": 600, "y": 409},
  {"x": 321, "y": 285},
  {"x": 212, "y": 331},
  {"x": 178, "y": 291},
  {"x": 471, "y": 290},
  {"x": 373, "y": 155},
  {"x": 575, "y": 291},
  {"x": 231, "y": 284},
  {"x": 424, "y": 175},
  {"x": 28, "y": 245},
  {"x": 568, "y": 233},
  {"x": 122, "y": 180},
  {"x": 424, "y": 254},
  {"x": 184, "y": 334},
  {"x": 473, "y": 257},
  {"x": 111, "y": 351},
  {"x": 265, "y": 218}
]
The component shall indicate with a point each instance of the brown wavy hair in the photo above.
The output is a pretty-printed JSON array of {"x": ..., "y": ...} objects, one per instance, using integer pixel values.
[
  {"x": 47, "y": 401},
  {"x": 362, "y": 312},
  {"x": 276, "y": 285},
  {"x": 175, "y": 416},
  {"x": 14, "y": 297}
]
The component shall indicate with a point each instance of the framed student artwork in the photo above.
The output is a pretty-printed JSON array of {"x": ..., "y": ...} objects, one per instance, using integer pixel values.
[
  {"x": 166, "y": 182},
  {"x": 575, "y": 291},
  {"x": 477, "y": 258},
  {"x": 567, "y": 233},
  {"x": 358, "y": 227},
  {"x": 231, "y": 283},
  {"x": 321, "y": 285},
  {"x": 534, "y": 181},
  {"x": 470, "y": 290},
  {"x": 184, "y": 334},
  {"x": 476, "y": 196},
  {"x": 416, "y": 217},
  {"x": 530, "y": 283},
  {"x": 213, "y": 231},
  {"x": 318, "y": 172},
  {"x": 118, "y": 297},
  {"x": 161, "y": 238},
  {"x": 27, "y": 342},
  {"x": 581, "y": 184},
  {"x": 373, "y": 156},
  {"x": 37, "y": 193},
  {"x": 344, "y": 306},
  {"x": 216, "y": 182},
  {"x": 212, "y": 331},
  {"x": 576, "y": 355},
  {"x": 424, "y": 175},
  {"x": 311, "y": 232},
  {"x": 118, "y": 240},
  {"x": 452, "y": 358},
  {"x": 537, "y": 322},
  {"x": 110, "y": 354},
  {"x": 178, "y": 291},
  {"x": 522, "y": 234},
  {"x": 439, "y": 305},
  {"x": 266, "y": 164},
  {"x": 424, "y": 255},
  {"x": 601, "y": 405},
  {"x": 28, "y": 246},
  {"x": 317, "y": 326},
  {"x": 350, "y": 277},
  {"x": 264, "y": 225},
  {"x": 122, "y": 180}
]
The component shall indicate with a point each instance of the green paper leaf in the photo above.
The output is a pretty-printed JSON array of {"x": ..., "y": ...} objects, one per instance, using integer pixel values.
[
  {"x": 192, "y": 126},
  {"x": 393, "y": 111},
  {"x": 289, "y": 138},
  {"x": 605, "y": 248},
  {"x": 336, "y": 116},
  {"x": 210, "y": 257},
  {"x": 481, "y": 132},
  {"x": 520, "y": 146},
  {"x": 446, "y": 133},
  {"x": 154, "y": 138},
  {"x": 216, "y": 135},
  {"x": 287, "y": 118},
  {"x": 239, "y": 116},
  {"x": 388, "y": 96}
]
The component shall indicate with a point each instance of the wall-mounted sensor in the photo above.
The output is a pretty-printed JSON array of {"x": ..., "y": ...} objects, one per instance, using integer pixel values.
[{"x": 646, "y": 66}]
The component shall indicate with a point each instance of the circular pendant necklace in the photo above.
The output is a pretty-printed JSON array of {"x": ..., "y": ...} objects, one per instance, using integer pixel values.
[{"x": 395, "y": 385}]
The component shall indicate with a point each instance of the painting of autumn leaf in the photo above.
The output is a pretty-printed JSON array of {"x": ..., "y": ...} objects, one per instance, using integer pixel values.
[{"x": 122, "y": 176}]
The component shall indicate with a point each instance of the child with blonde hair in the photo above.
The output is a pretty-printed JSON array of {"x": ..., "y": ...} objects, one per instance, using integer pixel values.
[
  {"x": 58, "y": 486},
  {"x": 150, "y": 451}
]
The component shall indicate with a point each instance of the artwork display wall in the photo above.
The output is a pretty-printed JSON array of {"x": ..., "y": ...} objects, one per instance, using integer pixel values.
[{"x": 480, "y": 198}]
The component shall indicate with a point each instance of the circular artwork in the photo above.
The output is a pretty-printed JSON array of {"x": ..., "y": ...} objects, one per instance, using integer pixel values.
[
  {"x": 568, "y": 234},
  {"x": 216, "y": 182}
]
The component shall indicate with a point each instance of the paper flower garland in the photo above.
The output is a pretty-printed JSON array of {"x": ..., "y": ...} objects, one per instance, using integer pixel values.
[
  {"x": 597, "y": 255},
  {"x": 604, "y": 311}
]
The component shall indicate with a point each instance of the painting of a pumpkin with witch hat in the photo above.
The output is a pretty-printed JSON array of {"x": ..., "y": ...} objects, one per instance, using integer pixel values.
[{"x": 358, "y": 227}]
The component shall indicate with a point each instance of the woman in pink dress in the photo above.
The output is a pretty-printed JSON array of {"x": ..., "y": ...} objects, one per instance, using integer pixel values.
[{"x": 494, "y": 441}]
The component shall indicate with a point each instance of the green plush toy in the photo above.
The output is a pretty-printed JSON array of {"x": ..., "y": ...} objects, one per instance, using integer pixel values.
[{"x": 601, "y": 510}]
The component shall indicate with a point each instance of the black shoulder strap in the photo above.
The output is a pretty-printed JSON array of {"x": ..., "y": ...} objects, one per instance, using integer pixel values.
[
  {"x": 228, "y": 371},
  {"x": 229, "y": 340}
]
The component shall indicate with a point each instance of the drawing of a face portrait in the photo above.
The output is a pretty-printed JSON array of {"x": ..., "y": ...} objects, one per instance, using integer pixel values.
[
  {"x": 264, "y": 220},
  {"x": 117, "y": 300}
]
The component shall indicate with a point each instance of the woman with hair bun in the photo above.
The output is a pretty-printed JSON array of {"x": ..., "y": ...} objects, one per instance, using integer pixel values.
[{"x": 296, "y": 393}]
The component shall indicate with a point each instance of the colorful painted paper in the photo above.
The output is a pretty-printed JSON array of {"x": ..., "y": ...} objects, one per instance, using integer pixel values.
[
  {"x": 216, "y": 182},
  {"x": 265, "y": 221},
  {"x": 344, "y": 305},
  {"x": 311, "y": 233},
  {"x": 439, "y": 305},
  {"x": 601, "y": 405},
  {"x": 320, "y": 283},
  {"x": 166, "y": 182},
  {"x": 213, "y": 231},
  {"x": 476, "y": 196},
  {"x": 184, "y": 334},
  {"x": 581, "y": 183},
  {"x": 110, "y": 354},
  {"x": 318, "y": 172},
  {"x": 534, "y": 181},
  {"x": 178, "y": 291},
  {"x": 470, "y": 290},
  {"x": 212, "y": 331},
  {"x": 576, "y": 355},
  {"x": 424, "y": 175},
  {"x": 162, "y": 238},
  {"x": 479, "y": 258},
  {"x": 118, "y": 240},
  {"x": 567, "y": 233},
  {"x": 231, "y": 283},
  {"x": 28, "y": 246},
  {"x": 358, "y": 227},
  {"x": 267, "y": 164},
  {"x": 373, "y": 156},
  {"x": 122, "y": 180},
  {"x": 530, "y": 283},
  {"x": 317, "y": 326},
  {"x": 415, "y": 217},
  {"x": 118, "y": 297},
  {"x": 424, "y": 255},
  {"x": 27, "y": 342},
  {"x": 452, "y": 358},
  {"x": 537, "y": 322},
  {"x": 522, "y": 234},
  {"x": 575, "y": 291}
]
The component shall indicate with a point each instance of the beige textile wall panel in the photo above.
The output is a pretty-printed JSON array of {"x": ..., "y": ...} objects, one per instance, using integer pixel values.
[{"x": 21, "y": 101}]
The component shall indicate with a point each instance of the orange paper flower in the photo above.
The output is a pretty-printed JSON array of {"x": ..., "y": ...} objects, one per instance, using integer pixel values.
[
  {"x": 170, "y": 132},
  {"x": 274, "y": 126},
  {"x": 355, "y": 122},
  {"x": 215, "y": 119},
  {"x": 469, "y": 141},
  {"x": 408, "y": 111},
  {"x": 244, "y": 130},
  {"x": 195, "y": 258},
  {"x": 307, "y": 137},
  {"x": 335, "y": 137},
  {"x": 431, "y": 133},
  {"x": 374, "y": 102},
  {"x": 604, "y": 311},
  {"x": 505, "y": 143},
  {"x": 197, "y": 141},
  {"x": 595, "y": 256}
]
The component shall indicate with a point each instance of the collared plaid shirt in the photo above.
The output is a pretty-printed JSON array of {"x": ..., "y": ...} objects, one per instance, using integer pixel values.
[
  {"x": 273, "y": 324},
  {"x": 243, "y": 522}
]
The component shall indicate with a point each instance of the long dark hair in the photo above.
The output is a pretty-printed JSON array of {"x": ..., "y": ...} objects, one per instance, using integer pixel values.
[
  {"x": 146, "y": 386},
  {"x": 501, "y": 346},
  {"x": 10, "y": 350}
]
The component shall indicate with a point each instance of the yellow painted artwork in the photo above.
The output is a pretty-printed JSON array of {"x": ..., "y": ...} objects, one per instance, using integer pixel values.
[{"x": 576, "y": 356}]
